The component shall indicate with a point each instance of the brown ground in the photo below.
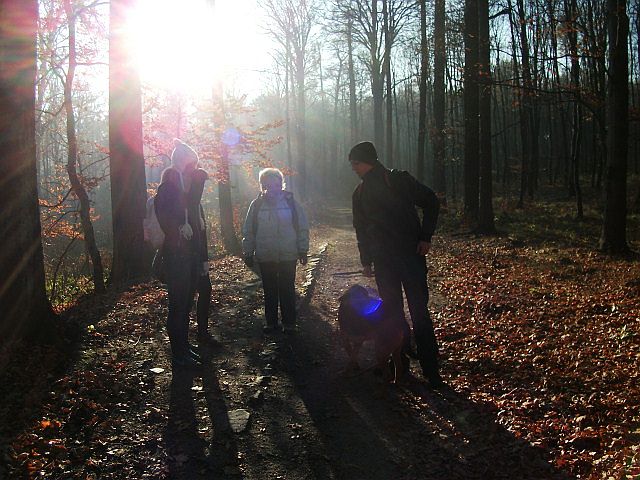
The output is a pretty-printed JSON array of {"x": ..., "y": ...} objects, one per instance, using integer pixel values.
[{"x": 110, "y": 416}]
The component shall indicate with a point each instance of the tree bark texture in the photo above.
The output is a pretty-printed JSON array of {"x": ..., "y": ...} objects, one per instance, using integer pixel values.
[
  {"x": 485, "y": 215},
  {"x": 422, "y": 109},
  {"x": 438, "y": 134},
  {"x": 471, "y": 112},
  {"x": 126, "y": 161},
  {"x": 23, "y": 300},
  {"x": 72, "y": 159},
  {"x": 614, "y": 229}
]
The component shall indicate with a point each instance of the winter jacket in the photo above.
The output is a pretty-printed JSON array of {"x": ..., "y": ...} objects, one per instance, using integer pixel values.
[
  {"x": 196, "y": 214},
  {"x": 171, "y": 202},
  {"x": 385, "y": 216},
  {"x": 272, "y": 237}
]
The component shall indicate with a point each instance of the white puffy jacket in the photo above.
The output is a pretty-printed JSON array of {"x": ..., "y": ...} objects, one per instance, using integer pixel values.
[{"x": 271, "y": 236}]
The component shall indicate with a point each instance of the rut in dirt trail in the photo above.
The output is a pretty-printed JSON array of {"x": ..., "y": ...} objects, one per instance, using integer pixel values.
[{"x": 309, "y": 419}]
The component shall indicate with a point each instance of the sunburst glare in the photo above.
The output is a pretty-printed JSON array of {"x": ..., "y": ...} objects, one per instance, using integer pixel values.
[{"x": 174, "y": 43}]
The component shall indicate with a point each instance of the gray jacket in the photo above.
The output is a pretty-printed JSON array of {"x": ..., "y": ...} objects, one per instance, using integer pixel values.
[{"x": 271, "y": 235}]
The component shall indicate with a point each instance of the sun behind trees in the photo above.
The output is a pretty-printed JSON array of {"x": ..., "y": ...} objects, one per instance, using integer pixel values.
[{"x": 534, "y": 111}]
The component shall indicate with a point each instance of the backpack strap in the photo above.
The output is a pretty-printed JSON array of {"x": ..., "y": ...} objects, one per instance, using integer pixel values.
[
  {"x": 257, "y": 204},
  {"x": 386, "y": 180},
  {"x": 288, "y": 197}
]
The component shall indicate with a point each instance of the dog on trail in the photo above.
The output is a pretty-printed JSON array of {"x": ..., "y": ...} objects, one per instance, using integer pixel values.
[{"x": 362, "y": 317}]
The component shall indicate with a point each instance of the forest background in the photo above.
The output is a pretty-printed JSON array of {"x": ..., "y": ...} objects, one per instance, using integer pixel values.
[
  {"x": 522, "y": 116},
  {"x": 502, "y": 107}
]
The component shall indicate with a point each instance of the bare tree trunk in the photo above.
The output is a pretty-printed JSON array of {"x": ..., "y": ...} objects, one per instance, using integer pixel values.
[
  {"x": 571, "y": 9},
  {"x": 225, "y": 204},
  {"x": 333, "y": 177},
  {"x": 389, "y": 84},
  {"x": 422, "y": 115},
  {"x": 485, "y": 215},
  {"x": 377, "y": 86},
  {"x": 301, "y": 132},
  {"x": 353, "y": 105},
  {"x": 126, "y": 161},
  {"x": 324, "y": 121},
  {"x": 23, "y": 300},
  {"x": 560, "y": 107},
  {"x": 614, "y": 228},
  {"x": 438, "y": 136},
  {"x": 471, "y": 112},
  {"x": 227, "y": 229},
  {"x": 72, "y": 159},
  {"x": 287, "y": 94}
]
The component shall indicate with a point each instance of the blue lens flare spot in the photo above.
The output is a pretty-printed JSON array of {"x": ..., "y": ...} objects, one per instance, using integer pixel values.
[
  {"x": 371, "y": 307},
  {"x": 231, "y": 137}
]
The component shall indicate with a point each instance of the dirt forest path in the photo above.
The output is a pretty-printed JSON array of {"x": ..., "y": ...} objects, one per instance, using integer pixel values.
[
  {"x": 297, "y": 415},
  {"x": 276, "y": 407}
]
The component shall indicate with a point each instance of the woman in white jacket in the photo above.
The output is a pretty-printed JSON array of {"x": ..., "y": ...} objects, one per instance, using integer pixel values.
[{"x": 276, "y": 236}]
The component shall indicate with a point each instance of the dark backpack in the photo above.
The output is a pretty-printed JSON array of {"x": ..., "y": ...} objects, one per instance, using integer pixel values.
[
  {"x": 396, "y": 190},
  {"x": 257, "y": 204}
]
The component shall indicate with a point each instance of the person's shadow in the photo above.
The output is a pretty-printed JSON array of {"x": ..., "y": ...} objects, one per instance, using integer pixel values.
[
  {"x": 425, "y": 433},
  {"x": 190, "y": 455}
]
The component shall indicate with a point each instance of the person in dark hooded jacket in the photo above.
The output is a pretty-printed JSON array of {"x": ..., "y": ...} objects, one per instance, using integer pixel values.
[
  {"x": 184, "y": 250},
  {"x": 394, "y": 240}
]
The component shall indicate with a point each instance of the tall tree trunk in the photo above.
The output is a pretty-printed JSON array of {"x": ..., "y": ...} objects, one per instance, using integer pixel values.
[
  {"x": 353, "y": 100},
  {"x": 526, "y": 112},
  {"x": 614, "y": 228},
  {"x": 389, "y": 86},
  {"x": 485, "y": 214},
  {"x": 471, "y": 111},
  {"x": 301, "y": 132},
  {"x": 560, "y": 107},
  {"x": 322, "y": 171},
  {"x": 287, "y": 101},
  {"x": 225, "y": 203},
  {"x": 72, "y": 158},
  {"x": 571, "y": 9},
  {"x": 438, "y": 134},
  {"x": 126, "y": 161},
  {"x": 422, "y": 115},
  {"x": 227, "y": 229},
  {"x": 23, "y": 300},
  {"x": 377, "y": 87},
  {"x": 333, "y": 177}
]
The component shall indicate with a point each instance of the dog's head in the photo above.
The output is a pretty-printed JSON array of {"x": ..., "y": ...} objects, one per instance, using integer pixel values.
[{"x": 359, "y": 301}]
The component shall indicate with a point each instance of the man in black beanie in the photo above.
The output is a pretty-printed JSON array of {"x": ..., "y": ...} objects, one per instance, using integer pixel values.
[{"x": 392, "y": 238}]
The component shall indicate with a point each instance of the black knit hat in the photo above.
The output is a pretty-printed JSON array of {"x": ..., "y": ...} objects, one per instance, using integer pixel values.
[{"x": 364, "y": 152}]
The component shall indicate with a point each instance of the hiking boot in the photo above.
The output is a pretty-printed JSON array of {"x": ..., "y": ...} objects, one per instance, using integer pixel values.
[
  {"x": 185, "y": 362},
  {"x": 271, "y": 329},
  {"x": 289, "y": 329},
  {"x": 206, "y": 338}
]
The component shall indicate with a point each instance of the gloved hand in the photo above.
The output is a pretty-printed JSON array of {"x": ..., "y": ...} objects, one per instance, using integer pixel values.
[
  {"x": 248, "y": 261},
  {"x": 204, "y": 270},
  {"x": 186, "y": 231},
  {"x": 303, "y": 258}
]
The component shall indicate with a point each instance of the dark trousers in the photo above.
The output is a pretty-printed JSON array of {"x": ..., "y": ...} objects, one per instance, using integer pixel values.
[
  {"x": 203, "y": 289},
  {"x": 409, "y": 272},
  {"x": 278, "y": 283},
  {"x": 181, "y": 277}
]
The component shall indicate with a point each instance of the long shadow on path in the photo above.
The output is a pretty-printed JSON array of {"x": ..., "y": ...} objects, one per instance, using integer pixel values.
[{"x": 377, "y": 431}]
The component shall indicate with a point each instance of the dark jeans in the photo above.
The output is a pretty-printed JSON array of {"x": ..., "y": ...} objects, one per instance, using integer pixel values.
[
  {"x": 278, "y": 283},
  {"x": 181, "y": 277},
  {"x": 394, "y": 273},
  {"x": 202, "y": 287}
]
